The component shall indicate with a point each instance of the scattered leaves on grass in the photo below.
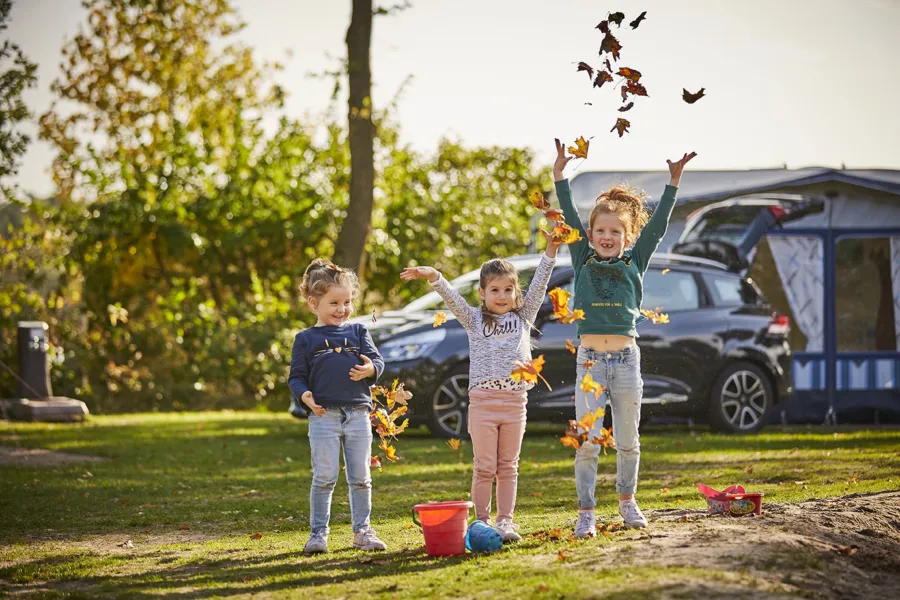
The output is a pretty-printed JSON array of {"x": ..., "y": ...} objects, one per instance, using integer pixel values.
[
  {"x": 256, "y": 536},
  {"x": 453, "y": 443}
]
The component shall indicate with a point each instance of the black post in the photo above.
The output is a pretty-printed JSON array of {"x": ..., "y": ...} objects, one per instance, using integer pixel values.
[{"x": 33, "y": 366}]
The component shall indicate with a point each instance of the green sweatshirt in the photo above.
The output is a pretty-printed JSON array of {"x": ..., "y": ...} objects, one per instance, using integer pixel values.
[{"x": 609, "y": 291}]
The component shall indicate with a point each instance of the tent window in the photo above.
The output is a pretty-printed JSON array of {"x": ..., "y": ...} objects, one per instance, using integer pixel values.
[{"x": 865, "y": 296}]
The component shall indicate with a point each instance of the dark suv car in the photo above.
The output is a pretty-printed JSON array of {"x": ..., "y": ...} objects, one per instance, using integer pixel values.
[{"x": 724, "y": 357}]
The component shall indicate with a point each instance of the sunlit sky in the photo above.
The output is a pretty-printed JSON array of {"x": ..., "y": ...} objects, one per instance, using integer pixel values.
[{"x": 795, "y": 82}]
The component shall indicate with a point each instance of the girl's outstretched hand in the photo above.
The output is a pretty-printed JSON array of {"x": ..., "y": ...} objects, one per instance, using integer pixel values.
[
  {"x": 676, "y": 168},
  {"x": 552, "y": 246},
  {"x": 561, "y": 161},
  {"x": 411, "y": 273}
]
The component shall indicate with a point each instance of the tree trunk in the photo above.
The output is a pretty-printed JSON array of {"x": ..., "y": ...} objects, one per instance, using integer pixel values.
[{"x": 351, "y": 243}]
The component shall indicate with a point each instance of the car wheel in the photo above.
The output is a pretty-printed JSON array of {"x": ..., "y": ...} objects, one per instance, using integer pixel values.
[
  {"x": 741, "y": 399},
  {"x": 448, "y": 410}
]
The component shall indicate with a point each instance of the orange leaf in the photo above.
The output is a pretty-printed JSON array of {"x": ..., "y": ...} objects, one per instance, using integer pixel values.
[
  {"x": 664, "y": 491},
  {"x": 553, "y": 214},
  {"x": 563, "y": 234},
  {"x": 588, "y": 385},
  {"x": 571, "y": 442},
  {"x": 588, "y": 420},
  {"x": 630, "y": 74},
  {"x": 453, "y": 443},
  {"x": 605, "y": 439},
  {"x": 389, "y": 451},
  {"x": 439, "y": 319},
  {"x": 184, "y": 527},
  {"x": 537, "y": 199},
  {"x": 563, "y": 554},
  {"x": 589, "y": 363},
  {"x": 664, "y": 271},
  {"x": 555, "y": 533},
  {"x": 655, "y": 316},
  {"x": 580, "y": 149},
  {"x": 530, "y": 371},
  {"x": 375, "y": 462},
  {"x": 583, "y": 66},
  {"x": 560, "y": 300},
  {"x": 691, "y": 98},
  {"x": 621, "y": 126},
  {"x": 570, "y": 347},
  {"x": 256, "y": 536},
  {"x": 576, "y": 315}
]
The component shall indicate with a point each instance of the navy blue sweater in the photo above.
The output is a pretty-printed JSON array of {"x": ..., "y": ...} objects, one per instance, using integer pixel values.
[{"x": 321, "y": 360}]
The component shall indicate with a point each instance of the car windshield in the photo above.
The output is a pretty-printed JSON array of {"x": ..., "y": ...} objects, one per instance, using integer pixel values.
[
  {"x": 724, "y": 225},
  {"x": 467, "y": 286}
]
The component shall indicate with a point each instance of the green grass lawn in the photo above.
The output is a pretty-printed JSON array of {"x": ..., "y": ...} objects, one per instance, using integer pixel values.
[{"x": 190, "y": 490}]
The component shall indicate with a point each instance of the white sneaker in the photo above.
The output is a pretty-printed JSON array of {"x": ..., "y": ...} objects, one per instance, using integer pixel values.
[
  {"x": 316, "y": 544},
  {"x": 587, "y": 524},
  {"x": 367, "y": 540},
  {"x": 507, "y": 530},
  {"x": 632, "y": 515}
]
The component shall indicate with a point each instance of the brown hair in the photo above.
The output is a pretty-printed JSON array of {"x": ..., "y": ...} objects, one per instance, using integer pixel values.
[
  {"x": 497, "y": 267},
  {"x": 627, "y": 203},
  {"x": 321, "y": 274}
]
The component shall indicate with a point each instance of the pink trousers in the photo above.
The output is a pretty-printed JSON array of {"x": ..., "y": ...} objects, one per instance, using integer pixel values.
[{"x": 497, "y": 425}]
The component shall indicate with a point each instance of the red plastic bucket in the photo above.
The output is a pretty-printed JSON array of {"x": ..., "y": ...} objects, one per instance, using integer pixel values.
[{"x": 444, "y": 526}]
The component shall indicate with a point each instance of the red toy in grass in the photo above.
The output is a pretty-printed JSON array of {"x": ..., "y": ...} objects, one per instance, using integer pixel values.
[
  {"x": 444, "y": 526},
  {"x": 733, "y": 501}
]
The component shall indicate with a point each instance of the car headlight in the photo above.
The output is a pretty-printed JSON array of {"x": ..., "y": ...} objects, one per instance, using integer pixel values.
[{"x": 413, "y": 346}]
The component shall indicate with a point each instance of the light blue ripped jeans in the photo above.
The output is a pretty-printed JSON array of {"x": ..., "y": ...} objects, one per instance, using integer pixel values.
[
  {"x": 326, "y": 433},
  {"x": 620, "y": 374}
]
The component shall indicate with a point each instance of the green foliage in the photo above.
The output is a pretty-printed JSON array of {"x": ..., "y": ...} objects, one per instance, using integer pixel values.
[{"x": 184, "y": 229}]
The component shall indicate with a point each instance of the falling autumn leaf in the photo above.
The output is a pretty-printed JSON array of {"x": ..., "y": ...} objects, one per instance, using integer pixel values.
[
  {"x": 571, "y": 442},
  {"x": 608, "y": 66},
  {"x": 575, "y": 315},
  {"x": 439, "y": 318},
  {"x": 602, "y": 77},
  {"x": 583, "y": 66},
  {"x": 655, "y": 316},
  {"x": 537, "y": 199},
  {"x": 389, "y": 451},
  {"x": 571, "y": 347},
  {"x": 626, "y": 108},
  {"x": 604, "y": 440},
  {"x": 629, "y": 74},
  {"x": 563, "y": 234},
  {"x": 590, "y": 418},
  {"x": 603, "y": 26},
  {"x": 634, "y": 88},
  {"x": 559, "y": 298},
  {"x": 691, "y": 98},
  {"x": 616, "y": 18},
  {"x": 588, "y": 385},
  {"x": 375, "y": 462},
  {"x": 554, "y": 214},
  {"x": 588, "y": 364},
  {"x": 453, "y": 443},
  {"x": 610, "y": 44},
  {"x": 256, "y": 536},
  {"x": 580, "y": 149},
  {"x": 374, "y": 320},
  {"x": 634, "y": 24},
  {"x": 530, "y": 371},
  {"x": 621, "y": 126},
  {"x": 664, "y": 271}
]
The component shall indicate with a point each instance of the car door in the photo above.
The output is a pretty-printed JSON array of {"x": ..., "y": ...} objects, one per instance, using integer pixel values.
[
  {"x": 551, "y": 340},
  {"x": 678, "y": 357}
]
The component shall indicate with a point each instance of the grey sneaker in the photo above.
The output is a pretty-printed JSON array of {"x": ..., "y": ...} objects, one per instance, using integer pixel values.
[
  {"x": 507, "y": 530},
  {"x": 587, "y": 524},
  {"x": 316, "y": 544},
  {"x": 632, "y": 515},
  {"x": 367, "y": 540}
]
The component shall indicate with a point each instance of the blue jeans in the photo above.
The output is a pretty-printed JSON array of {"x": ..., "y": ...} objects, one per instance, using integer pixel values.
[
  {"x": 352, "y": 427},
  {"x": 620, "y": 374}
]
